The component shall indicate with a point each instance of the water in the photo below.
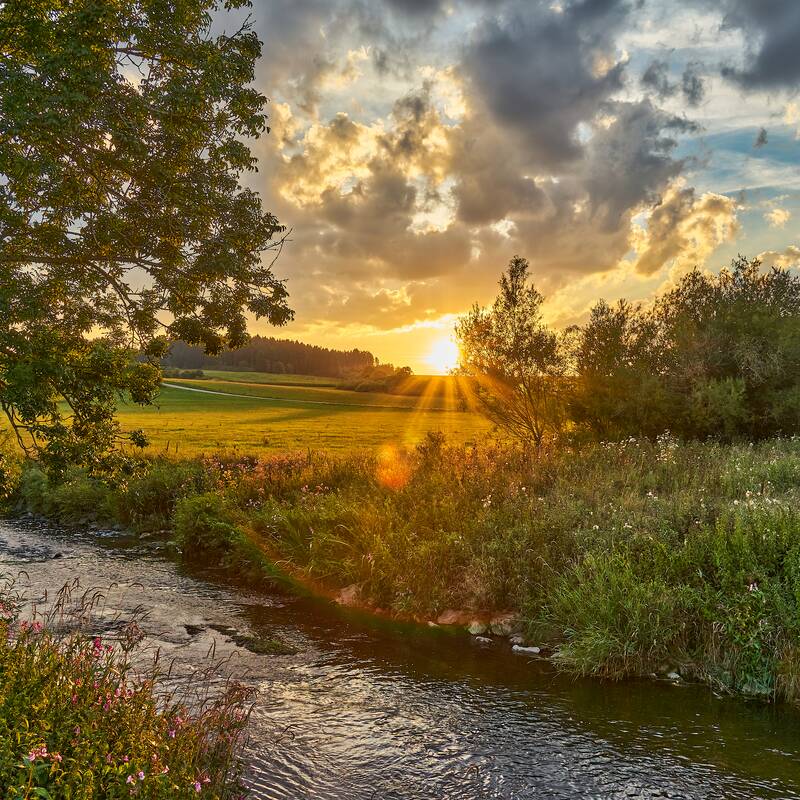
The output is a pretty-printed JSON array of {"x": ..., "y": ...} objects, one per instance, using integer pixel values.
[{"x": 369, "y": 710}]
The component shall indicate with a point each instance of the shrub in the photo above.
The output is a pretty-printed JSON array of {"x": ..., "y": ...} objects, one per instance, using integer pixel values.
[
  {"x": 613, "y": 621},
  {"x": 35, "y": 491},
  {"x": 80, "y": 499},
  {"x": 9, "y": 471},
  {"x": 206, "y": 527},
  {"x": 147, "y": 501},
  {"x": 77, "y": 721}
]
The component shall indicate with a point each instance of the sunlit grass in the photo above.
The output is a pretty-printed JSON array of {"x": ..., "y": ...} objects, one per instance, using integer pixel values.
[{"x": 188, "y": 423}]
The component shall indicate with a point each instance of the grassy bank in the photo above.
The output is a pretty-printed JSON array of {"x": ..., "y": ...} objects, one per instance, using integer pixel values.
[
  {"x": 622, "y": 559},
  {"x": 78, "y": 721}
]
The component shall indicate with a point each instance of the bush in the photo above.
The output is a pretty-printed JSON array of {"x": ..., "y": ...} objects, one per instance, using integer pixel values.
[
  {"x": 76, "y": 500},
  {"x": 205, "y": 527},
  {"x": 10, "y": 470},
  {"x": 76, "y": 721},
  {"x": 147, "y": 501},
  {"x": 614, "y": 622},
  {"x": 35, "y": 491}
]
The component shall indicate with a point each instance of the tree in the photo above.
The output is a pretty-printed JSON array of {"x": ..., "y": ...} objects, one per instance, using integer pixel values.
[
  {"x": 123, "y": 221},
  {"x": 731, "y": 345},
  {"x": 517, "y": 364},
  {"x": 616, "y": 360},
  {"x": 717, "y": 355}
]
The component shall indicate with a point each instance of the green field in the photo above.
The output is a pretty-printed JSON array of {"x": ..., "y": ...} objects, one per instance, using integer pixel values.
[
  {"x": 285, "y": 418},
  {"x": 272, "y": 378}
]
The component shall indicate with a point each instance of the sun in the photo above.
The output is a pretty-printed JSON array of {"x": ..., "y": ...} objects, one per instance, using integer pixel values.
[{"x": 443, "y": 355}]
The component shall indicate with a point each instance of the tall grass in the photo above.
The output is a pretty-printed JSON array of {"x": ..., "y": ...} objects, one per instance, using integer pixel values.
[{"x": 623, "y": 558}]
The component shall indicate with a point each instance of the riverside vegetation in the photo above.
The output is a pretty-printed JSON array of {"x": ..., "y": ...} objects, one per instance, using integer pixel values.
[
  {"x": 77, "y": 720},
  {"x": 621, "y": 558}
]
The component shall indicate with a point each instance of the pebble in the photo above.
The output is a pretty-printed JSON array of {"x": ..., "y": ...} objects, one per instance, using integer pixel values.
[{"x": 518, "y": 648}]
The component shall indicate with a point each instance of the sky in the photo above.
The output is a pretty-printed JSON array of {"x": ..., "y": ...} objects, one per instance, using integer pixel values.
[{"x": 417, "y": 145}]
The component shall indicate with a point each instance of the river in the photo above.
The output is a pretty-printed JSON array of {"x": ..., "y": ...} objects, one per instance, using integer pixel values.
[{"x": 368, "y": 710}]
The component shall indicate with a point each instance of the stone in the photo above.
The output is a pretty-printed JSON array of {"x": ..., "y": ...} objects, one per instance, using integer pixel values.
[
  {"x": 534, "y": 651},
  {"x": 452, "y": 617},
  {"x": 673, "y": 676},
  {"x": 504, "y": 625},
  {"x": 349, "y": 596},
  {"x": 476, "y": 627},
  {"x": 483, "y": 640}
]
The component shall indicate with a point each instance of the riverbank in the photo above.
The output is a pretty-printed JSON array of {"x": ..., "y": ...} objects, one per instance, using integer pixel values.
[{"x": 618, "y": 560}]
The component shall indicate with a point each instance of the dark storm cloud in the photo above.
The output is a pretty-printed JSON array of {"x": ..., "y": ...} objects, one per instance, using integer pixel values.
[
  {"x": 538, "y": 71},
  {"x": 692, "y": 84},
  {"x": 631, "y": 162},
  {"x": 771, "y": 29},
  {"x": 416, "y": 7},
  {"x": 655, "y": 79}
]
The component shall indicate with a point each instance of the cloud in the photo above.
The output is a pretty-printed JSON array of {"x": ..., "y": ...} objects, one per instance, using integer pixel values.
[
  {"x": 693, "y": 84},
  {"x": 771, "y": 30},
  {"x": 655, "y": 79},
  {"x": 785, "y": 259},
  {"x": 791, "y": 116},
  {"x": 541, "y": 70},
  {"x": 418, "y": 144},
  {"x": 684, "y": 230},
  {"x": 761, "y": 139},
  {"x": 778, "y": 217}
]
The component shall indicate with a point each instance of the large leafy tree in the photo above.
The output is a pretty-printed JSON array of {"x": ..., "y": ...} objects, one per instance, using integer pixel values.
[
  {"x": 516, "y": 362},
  {"x": 124, "y": 223},
  {"x": 731, "y": 345},
  {"x": 717, "y": 355}
]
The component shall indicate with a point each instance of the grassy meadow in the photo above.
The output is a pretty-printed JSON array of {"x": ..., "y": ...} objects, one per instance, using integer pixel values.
[{"x": 283, "y": 417}]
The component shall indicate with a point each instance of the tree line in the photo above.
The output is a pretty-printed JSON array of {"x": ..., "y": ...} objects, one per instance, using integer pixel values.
[
  {"x": 714, "y": 356},
  {"x": 267, "y": 354}
]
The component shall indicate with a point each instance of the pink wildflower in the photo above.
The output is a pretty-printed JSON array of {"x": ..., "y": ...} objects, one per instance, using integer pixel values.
[
  {"x": 130, "y": 779},
  {"x": 197, "y": 786},
  {"x": 141, "y": 775}
]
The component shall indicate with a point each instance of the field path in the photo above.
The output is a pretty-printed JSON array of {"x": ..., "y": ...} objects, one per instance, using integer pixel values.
[{"x": 292, "y": 400}]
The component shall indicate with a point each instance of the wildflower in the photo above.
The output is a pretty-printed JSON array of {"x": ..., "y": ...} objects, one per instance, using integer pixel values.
[
  {"x": 197, "y": 786},
  {"x": 56, "y": 757},
  {"x": 37, "y": 627},
  {"x": 141, "y": 775},
  {"x": 130, "y": 779},
  {"x": 38, "y": 752}
]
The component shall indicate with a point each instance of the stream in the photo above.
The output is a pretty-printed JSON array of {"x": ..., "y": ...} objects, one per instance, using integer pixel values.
[{"x": 371, "y": 710}]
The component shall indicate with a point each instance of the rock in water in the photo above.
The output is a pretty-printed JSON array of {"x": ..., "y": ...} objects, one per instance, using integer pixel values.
[
  {"x": 504, "y": 625},
  {"x": 518, "y": 648},
  {"x": 349, "y": 596}
]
